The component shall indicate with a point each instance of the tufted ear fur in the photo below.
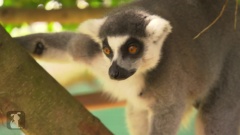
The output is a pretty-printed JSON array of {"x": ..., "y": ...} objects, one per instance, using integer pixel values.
[
  {"x": 157, "y": 28},
  {"x": 156, "y": 31},
  {"x": 91, "y": 27}
]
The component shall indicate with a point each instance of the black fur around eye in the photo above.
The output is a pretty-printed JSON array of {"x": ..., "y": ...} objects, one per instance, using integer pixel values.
[
  {"x": 107, "y": 49},
  {"x": 105, "y": 42},
  {"x": 39, "y": 48},
  {"x": 133, "y": 48}
]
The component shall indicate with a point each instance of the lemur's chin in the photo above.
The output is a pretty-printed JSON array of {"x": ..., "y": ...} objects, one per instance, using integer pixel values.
[{"x": 118, "y": 73}]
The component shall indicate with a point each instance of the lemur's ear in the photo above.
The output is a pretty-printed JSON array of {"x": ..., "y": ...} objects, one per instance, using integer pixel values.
[
  {"x": 157, "y": 28},
  {"x": 91, "y": 27}
]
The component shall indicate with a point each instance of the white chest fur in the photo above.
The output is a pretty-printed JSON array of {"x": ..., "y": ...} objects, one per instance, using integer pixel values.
[{"x": 128, "y": 90}]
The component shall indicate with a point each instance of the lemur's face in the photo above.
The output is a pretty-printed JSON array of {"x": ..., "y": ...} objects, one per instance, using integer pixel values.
[
  {"x": 125, "y": 54},
  {"x": 130, "y": 40}
]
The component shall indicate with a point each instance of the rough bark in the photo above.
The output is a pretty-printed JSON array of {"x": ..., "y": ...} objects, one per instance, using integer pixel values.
[
  {"x": 67, "y": 15},
  {"x": 48, "y": 107}
]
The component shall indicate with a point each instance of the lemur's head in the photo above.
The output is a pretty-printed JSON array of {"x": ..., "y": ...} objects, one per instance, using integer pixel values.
[{"x": 130, "y": 40}]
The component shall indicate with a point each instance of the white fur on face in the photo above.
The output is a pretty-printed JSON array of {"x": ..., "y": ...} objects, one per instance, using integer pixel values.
[{"x": 115, "y": 42}]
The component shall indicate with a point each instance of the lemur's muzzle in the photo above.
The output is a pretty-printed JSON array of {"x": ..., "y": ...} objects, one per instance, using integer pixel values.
[{"x": 118, "y": 73}]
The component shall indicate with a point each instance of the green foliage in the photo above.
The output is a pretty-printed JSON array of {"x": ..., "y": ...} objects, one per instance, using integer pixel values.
[
  {"x": 70, "y": 27},
  {"x": 23, "y": 3},
  {"x": 64, "y": 3},
  {"x": 50, "y": 27},
  {"x": 10, "y": 27},
  {"x": 68, "y": 3},
  {"x": 116, "y": 3},
  {"x": 95, "y": 3}
]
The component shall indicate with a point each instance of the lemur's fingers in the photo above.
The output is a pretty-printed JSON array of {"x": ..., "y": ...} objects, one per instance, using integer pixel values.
[{"x": 47, "y": 46}]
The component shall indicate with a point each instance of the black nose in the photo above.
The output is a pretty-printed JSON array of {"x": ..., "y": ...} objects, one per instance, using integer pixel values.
[
  {"x": 118, "y": 73},
  {"x": 113, "y": 71}
]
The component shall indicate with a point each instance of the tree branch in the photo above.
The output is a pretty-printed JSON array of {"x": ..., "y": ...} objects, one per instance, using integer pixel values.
[
  {"x": 48, "y": 107},
  {"x": 67, "y": 15}
]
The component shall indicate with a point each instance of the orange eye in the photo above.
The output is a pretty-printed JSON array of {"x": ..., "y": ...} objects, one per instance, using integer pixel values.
[
  {"x": 132, "y": 49},
  {"x": 106, "y": 50}
]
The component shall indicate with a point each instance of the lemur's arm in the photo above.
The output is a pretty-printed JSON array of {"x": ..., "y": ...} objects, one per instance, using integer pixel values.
[{"x": 62, "y": 46}]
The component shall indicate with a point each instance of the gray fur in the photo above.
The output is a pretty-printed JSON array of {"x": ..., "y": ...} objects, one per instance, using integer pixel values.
[
  {"x": 46, "y": 38},
  {"x": 82, "y": 47},
  {"x": 62, "y": 44},
  {"x": 205, "y": 70},
  {"x": 51, "y": 49},
  {"x": 134, "y": 26}
]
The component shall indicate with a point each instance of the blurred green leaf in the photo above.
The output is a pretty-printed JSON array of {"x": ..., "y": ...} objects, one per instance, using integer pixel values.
[
  {"x": 95, "y": 3},
  {"x": 50, "y": 26},
  {"x": 70, "y": 27},
  {"x": 9, "y": 27},
  {"x": 68, "y": 3},
  {"x": 116, "y": 3}
]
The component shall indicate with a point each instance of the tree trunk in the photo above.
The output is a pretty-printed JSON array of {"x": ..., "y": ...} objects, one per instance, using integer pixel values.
[
  {"x": 66, "y": 15},
  {"x": 49, "y": 109}
]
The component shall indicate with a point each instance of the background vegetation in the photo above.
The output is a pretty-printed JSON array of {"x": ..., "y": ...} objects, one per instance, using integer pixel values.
[{"x": 16, "y": 15}]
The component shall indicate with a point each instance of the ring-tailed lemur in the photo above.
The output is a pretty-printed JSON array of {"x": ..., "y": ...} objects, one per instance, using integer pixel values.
[{"x": 160, "y": 73}]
